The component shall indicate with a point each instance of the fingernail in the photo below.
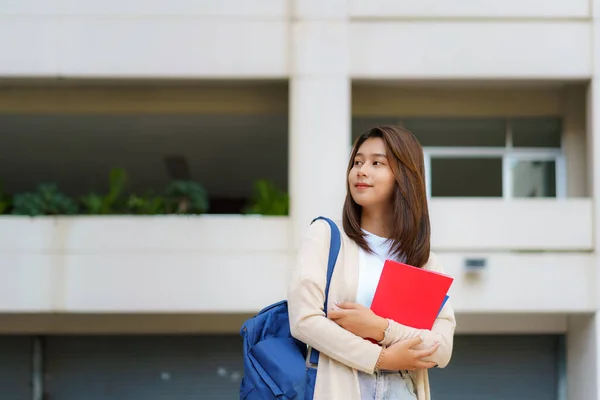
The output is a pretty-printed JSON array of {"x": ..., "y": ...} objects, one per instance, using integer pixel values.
[{"x": 337, "y": 303}]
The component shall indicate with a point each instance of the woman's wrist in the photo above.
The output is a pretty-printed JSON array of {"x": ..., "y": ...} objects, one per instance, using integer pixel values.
[
  {"x": 379, "y": 328},
  {"x": 381, "y": 361}
]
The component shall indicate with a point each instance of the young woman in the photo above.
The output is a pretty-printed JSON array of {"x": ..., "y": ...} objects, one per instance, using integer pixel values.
[{"x": 385, "y": 217}]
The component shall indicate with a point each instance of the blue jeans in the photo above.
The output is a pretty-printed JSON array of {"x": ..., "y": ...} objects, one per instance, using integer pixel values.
[{"x": 386, "y": 385}]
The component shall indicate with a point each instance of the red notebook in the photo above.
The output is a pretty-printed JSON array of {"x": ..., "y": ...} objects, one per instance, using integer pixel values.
[{"x": 410, "y": 296}]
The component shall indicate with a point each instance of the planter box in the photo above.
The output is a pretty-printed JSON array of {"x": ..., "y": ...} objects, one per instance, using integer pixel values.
[{"x": 131, "y": 264}]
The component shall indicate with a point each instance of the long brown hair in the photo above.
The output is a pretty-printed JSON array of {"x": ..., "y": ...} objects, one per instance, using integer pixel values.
[{"x": 410, "y": 225}]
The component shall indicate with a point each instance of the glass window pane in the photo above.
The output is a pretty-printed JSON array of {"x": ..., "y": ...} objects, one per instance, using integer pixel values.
[
  {"x": 534, "y": 178},
  {"x": 466, "y": 177},
  {"x": 458, "y": 132},
  {"x": 536, "y": 132}
]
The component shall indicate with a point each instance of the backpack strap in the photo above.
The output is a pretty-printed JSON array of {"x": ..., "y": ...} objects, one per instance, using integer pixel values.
[{"x": 334, "y": 249}]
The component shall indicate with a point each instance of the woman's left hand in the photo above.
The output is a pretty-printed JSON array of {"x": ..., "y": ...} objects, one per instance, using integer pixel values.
[{"x": 359, "y": 320}]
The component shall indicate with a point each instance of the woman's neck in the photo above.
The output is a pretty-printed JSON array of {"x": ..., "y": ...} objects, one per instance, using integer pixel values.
[{"x": 376, "y": 222}]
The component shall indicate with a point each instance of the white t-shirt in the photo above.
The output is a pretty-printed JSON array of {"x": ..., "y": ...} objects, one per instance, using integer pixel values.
[{"x": 370, "y": 267}]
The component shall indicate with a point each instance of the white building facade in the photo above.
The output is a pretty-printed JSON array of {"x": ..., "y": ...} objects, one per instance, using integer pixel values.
[{"x": 504, "y": 96}]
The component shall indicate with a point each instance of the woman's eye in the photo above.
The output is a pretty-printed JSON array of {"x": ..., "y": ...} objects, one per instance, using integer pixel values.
[
  {"x": 377, "y": 163},
  {"x": 357, "y": 163}
]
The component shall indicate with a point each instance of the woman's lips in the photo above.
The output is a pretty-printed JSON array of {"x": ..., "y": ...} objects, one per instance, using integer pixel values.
[{"x": 362, "y": 186}]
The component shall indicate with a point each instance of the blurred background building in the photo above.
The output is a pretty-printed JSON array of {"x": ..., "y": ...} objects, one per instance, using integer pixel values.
[{"x": 127, "y": 106}]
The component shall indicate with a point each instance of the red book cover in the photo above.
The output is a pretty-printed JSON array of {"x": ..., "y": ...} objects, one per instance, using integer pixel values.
[{"x": 410, "y": 296}]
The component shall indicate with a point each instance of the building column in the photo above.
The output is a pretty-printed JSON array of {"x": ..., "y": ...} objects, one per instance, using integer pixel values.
[
  {"x": 584, "y": 377},
  {"x": 574, "y": 140},
  {"x": 581, "y": 358},
  {"x": 588, "y": 377},
  {"x": 320, "y": 111},
  {"x": 594, "y": 152}
]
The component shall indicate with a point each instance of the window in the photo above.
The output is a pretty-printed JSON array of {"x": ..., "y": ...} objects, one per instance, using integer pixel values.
[
  {"x": 491, "y": 157},
  {"x": 458, "y": 132},
  {"x": 487, "y": 157},
  {"x": 536, "y": 132},
  {"x": 533, "y": 178},
  {"x": 466, "y": 177}
]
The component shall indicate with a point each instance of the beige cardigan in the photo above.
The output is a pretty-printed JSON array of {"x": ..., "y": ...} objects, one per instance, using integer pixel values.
[{"x": 342, "y": 352}]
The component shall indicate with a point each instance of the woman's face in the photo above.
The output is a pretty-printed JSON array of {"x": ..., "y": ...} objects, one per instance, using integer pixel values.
[{"x": 371, "y": 179}]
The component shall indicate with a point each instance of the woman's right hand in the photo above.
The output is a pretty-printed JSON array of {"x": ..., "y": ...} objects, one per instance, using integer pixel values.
[{"x": 401, "y": 356}]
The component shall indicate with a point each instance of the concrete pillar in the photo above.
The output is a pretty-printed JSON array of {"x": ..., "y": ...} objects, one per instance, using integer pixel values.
[
  {"x": 575, "y": 140},
  {"x": 581, "y": 358},
  {"x": 585, "y": 382},
  {"x": 320, "y": 111}
]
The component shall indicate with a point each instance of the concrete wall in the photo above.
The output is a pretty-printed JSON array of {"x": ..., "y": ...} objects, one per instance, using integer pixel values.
[
  {"x": 444, "y": 9},
  {"x": 234, "y": 264},
  {"x": 235, "y": 38}
]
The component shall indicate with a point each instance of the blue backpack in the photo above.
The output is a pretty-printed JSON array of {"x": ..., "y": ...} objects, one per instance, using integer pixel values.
[{"x": 275, "y": 365}]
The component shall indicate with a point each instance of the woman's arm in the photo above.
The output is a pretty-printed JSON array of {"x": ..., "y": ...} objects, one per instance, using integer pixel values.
[
  {"x": 305, "y": 306},
  {"x": 442, "y": 330}
]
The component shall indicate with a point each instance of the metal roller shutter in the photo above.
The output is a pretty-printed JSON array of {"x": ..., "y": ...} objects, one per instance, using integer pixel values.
[
  {"x": 496, "y": 367},
  {"x": 15, "y": 367},
  {"x": 490, "y": 367},
  {"x": 143, "y": 368}
]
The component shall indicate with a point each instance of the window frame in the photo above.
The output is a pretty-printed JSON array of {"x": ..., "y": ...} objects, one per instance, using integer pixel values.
[{"x": 510, "y": 155}]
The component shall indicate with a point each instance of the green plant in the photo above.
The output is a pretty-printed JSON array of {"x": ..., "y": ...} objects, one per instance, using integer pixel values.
[
  {"x": 268, "y": 199},
  {"x": 5, "y": 201},
  {"x": 180, "y": 197},
  {"x": 186, "y": 197},
  {"x": 46, "y": 200},
  {"x": 146, "y": 204},
  {"x": 108, "y": 204}
]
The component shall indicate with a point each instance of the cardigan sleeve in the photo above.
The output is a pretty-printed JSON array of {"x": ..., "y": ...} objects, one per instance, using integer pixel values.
[
  {"x": 306, "y": 297},
  {"x": 442, "y": 330}
]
